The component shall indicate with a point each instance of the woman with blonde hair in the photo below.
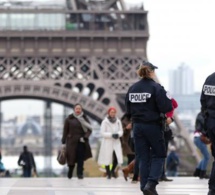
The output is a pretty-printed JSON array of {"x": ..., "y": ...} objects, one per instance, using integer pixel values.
[{"x": 111, "y": 149}]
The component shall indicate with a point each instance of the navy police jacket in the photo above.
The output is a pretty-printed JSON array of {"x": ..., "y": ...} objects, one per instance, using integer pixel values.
[
  {"x": 208, "y": 96},
  {"x": 146, "y": 100}
]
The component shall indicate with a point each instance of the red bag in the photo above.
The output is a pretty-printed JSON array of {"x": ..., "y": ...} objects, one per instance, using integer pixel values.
[{"x": 61, "y": 158}]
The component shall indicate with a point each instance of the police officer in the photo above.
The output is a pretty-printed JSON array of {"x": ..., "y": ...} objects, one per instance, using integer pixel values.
[
  {"x": 208, "y": 109},
  {"x": 145, "y": 101}
]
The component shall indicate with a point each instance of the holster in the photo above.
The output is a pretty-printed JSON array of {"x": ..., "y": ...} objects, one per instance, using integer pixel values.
[{"x": 163, "y": 122}]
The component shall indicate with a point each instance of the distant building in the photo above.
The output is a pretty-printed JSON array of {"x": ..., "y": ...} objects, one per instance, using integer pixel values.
[
  {"x": 181, "y": 81},
  {"x": 188, "y": 107},
  {"x": 29, "y": 133}
]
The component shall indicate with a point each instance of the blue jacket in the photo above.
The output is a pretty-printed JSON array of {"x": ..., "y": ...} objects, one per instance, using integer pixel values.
[{"x": 2, "y": 168}]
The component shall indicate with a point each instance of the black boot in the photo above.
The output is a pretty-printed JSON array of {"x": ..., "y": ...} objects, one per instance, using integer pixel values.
[
  {"x": 150, "y": 189},
  {"x": 107, "y": 167},
  {"x": 113, "y": 174},
  {"x": 211, "y": 192},
  {"x": 70, "y": 172},
  {"x": 203, "y": 175},
  {"x": 165, "y": 179},
  {"x": 196, "y": 173}
]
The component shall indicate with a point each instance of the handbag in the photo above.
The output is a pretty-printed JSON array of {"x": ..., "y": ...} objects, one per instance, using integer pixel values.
[
  {"x": 205, "y": 139},
  {"x": 61, "y": 157}
]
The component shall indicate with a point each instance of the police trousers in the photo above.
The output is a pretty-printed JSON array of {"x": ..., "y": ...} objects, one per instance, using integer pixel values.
[
  {"x": 150, "y": 151},
  {"x": 211, "y": 132}
]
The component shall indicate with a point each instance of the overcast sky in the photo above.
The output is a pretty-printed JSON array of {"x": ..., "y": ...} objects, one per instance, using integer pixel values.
[{"x": 181, "y": 31}]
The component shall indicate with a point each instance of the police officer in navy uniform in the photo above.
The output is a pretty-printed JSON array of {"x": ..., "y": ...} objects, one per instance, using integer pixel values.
[
  {"x": 208, "y": 109},
  {"x": 145, "y": 101}
]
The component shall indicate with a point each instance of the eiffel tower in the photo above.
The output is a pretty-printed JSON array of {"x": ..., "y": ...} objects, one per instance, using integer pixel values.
[{"x": 85, "y": 51}]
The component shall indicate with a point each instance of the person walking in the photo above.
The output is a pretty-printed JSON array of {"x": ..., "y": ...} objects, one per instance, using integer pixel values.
[
  {"x": 111, "y": 149},
  {"x": 168, "y": 136},
  {"x": 3, "y": 171},
  {"x": 126, "y": 139},
  {"x": 26, "y": 161},
  {"x": 76, "y": 132},
  {"x": 207, "y": 100},
  {"x": 199, "y": 132},
  {"x": 145, "y": 101},
  {"x": 172, "y": 162}
]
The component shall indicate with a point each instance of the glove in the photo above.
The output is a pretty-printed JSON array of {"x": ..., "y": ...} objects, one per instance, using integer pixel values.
[
  {"x": 82, "y": 140},
  {"x": 115, "y": 135}
]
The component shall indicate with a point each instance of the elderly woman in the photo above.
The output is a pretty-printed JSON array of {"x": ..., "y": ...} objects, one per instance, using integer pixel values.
[
  {"x": 76, "y": 132},
  {"x": 111, "y": 149}
]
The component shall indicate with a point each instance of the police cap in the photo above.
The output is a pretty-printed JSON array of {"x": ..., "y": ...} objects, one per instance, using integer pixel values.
[{"x": 145, "y": 63}]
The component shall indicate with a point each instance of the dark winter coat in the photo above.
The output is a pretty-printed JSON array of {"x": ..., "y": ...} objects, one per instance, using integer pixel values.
[
  {"x": 72, "y": 133},
  {"x": 26, "y": 159},
  {"x": 126, "y": 138}
]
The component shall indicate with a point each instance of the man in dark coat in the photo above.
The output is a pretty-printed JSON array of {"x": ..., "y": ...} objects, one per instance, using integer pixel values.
[{"x": 26, "y": 160}]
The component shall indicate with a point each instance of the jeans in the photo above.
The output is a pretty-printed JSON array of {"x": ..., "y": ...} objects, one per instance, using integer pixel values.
[
  {"x": 204, "y": 150},
  {"x": 172, "y": 173},
  {"x": 150, "y": 151}
]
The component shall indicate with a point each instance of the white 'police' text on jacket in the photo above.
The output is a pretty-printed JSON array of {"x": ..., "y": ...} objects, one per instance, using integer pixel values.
[
  {"x": 209, "y": 90},
  {"x": 139, "y": 97}
]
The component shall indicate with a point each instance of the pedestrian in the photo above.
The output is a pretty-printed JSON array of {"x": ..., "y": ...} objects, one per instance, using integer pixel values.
[
  {"x": 202, "y": 146},
  {"x": 3, "y": 171},
  {"x": 168, "y": 136},
  {"x": 111, "y": 149},
  {"x": 128, "y": 150},
  {"x": 126, "y": 139},
  {"x": 208, "y": 110},
  {"x": 26, "y": 161},
  {"x": 145, "y": 101},
  {"x": 76, "y": 132},
  {"x": 172, "y": 162}
]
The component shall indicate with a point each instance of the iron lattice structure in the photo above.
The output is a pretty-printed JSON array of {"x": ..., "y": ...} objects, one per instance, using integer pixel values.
[
  {"x": 93, "y": 81},
  {"x": 86, "y": 52}
]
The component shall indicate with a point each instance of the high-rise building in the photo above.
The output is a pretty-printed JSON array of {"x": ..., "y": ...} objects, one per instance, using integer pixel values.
[{"x": 181, "y": 80}]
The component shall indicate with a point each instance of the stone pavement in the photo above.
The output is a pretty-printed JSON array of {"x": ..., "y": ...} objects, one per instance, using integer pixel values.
[{"x": 97, "y": 186}]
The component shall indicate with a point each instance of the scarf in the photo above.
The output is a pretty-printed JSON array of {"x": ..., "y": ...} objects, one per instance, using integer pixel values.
[
  {"x": 112, "y": 119},
  {"x": 84, "y": 124}
]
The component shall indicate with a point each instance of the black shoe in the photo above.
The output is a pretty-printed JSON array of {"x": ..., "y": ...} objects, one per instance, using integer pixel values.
[
  {"x": 203, "y": 175},
  {"x": 196, "y": 173},
  {"x": 150, "y": 189},
  {"x": 80, "y": 177},
  {"x": 69, "y": 174},
  {"x": 211, "y": 192},
  {"x": 165, "y": 179},
  {"x": 108, "y": 172},
  {"x": 113, "y": 174}
]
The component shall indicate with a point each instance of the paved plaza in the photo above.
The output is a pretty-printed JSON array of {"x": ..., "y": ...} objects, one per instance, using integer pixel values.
[{"x": 97, "y": 186}]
